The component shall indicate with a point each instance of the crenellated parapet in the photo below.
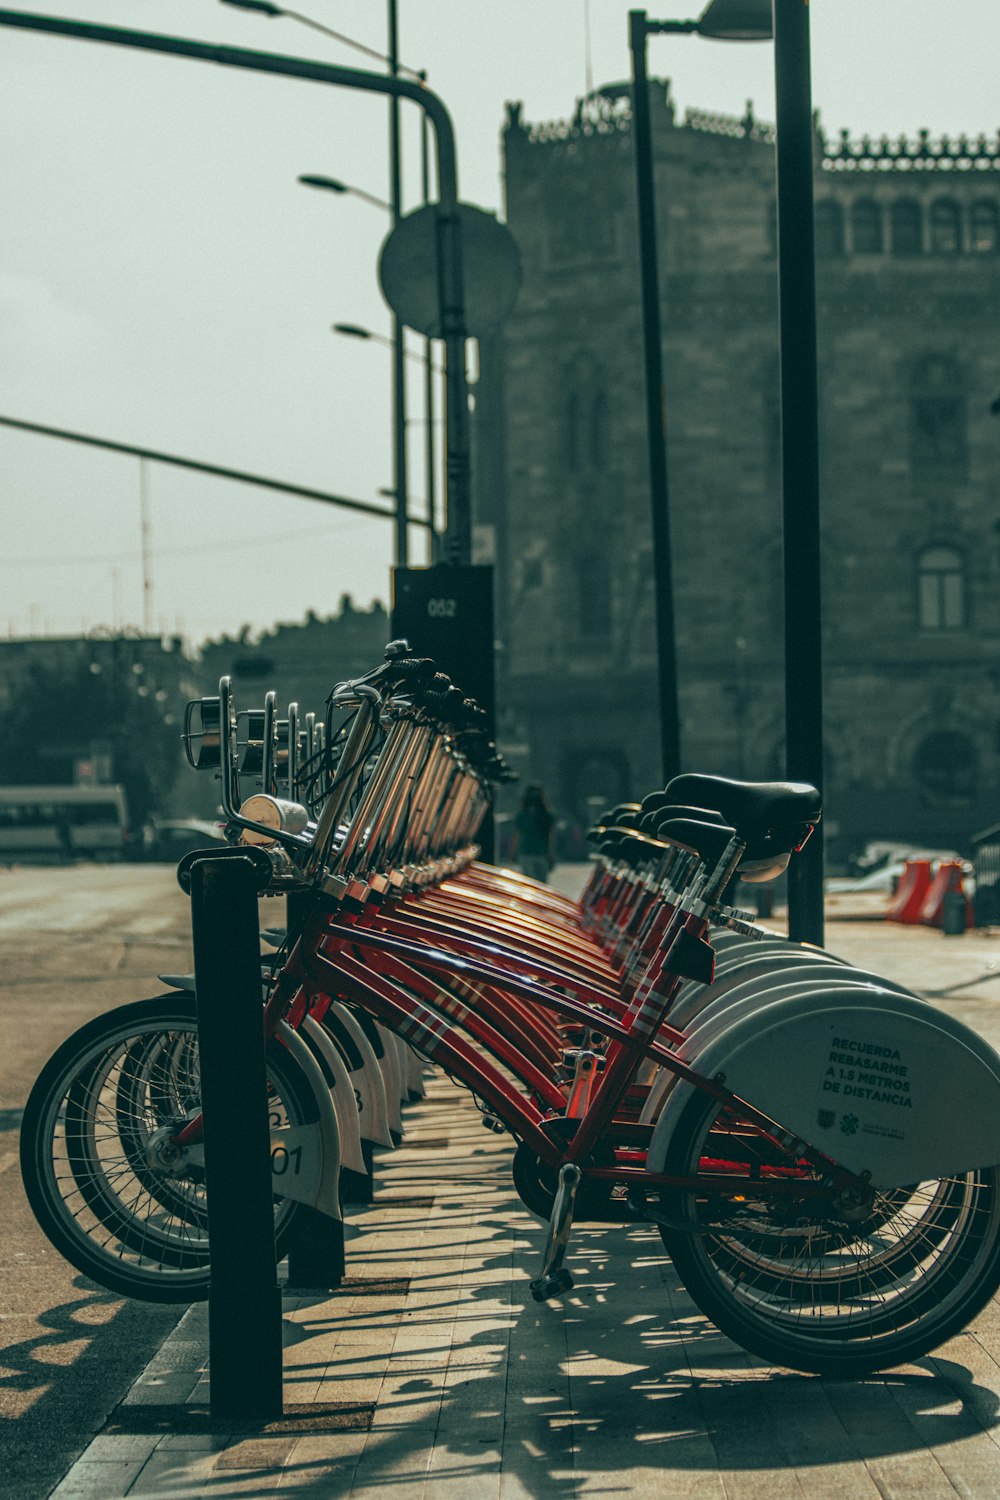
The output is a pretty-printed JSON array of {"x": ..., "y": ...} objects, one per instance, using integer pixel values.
[
  {"x": 608, "y": 112},
  {"x": 744, "y": 127},
  {"x": 918, "y": 153}
]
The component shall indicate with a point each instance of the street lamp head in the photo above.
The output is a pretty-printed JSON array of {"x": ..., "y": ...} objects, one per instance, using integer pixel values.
[
  {"x": 330, "y": 184},
  {"x": 262, "y": 5},
  {"x": 736, "y": 21},
  {"x": 352, "y": 330}
]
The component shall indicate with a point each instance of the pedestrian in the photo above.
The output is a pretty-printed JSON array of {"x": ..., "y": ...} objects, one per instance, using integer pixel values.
[{"x": 533, "y": 827}]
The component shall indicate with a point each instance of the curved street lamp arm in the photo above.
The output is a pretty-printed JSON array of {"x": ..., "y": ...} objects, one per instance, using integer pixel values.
[{"x": 450, "y": 285}]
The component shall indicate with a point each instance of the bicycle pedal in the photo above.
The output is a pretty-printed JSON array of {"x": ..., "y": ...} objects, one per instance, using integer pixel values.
[{"x": 544, "y": 1288}]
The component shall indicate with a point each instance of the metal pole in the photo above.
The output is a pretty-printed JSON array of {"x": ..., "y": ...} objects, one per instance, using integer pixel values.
[
  {"x": 244, "y": 1306},
  {"x": 147, "y": 569},
  {"x": 430, "y": 476},
  {"x": 799, "y": 446},
  {"x": 642, "y": 151},
  {"x": 450, "y": 285},
  {"x": 398, "y": 334}
]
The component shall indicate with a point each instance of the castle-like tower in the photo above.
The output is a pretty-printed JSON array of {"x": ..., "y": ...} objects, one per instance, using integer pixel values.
[{"x": 908, "y": 246}]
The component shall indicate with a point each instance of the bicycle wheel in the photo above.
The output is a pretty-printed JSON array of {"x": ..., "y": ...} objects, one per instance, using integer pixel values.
[
  {"x": 803, "y": 1285},
  {"x": 98, "y": 1171}
]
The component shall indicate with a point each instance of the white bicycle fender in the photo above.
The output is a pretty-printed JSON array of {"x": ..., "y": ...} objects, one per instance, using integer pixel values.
[
  {"x": 344, "y": 1102},
  {"x": 776, "y": 985},
  {"x": 326, "y": 1196},
  {"x": 724, "y": 1010},
  {"x": 392, "y": 1073},
  {"x": 367, "y": 1080},
  {"x": 878, "y": 1081}
]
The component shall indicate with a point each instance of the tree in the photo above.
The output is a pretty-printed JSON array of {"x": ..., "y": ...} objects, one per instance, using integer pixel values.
[{"x": 90, "y": 709}]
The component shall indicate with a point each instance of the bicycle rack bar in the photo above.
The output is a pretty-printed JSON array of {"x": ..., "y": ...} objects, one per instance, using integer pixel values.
[{"x": 244, "y": 1303}]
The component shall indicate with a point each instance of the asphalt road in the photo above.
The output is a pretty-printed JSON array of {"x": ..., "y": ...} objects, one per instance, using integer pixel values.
[{"x": 74, "y": 941}]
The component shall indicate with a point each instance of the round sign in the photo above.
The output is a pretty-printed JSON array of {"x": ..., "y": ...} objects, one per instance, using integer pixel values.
[{"x": 491, "y": 270}]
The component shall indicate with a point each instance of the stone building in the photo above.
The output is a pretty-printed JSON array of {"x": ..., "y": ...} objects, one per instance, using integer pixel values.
[
  {"x": 301, "y": 662},
  {"x": 908, "y": 244}
]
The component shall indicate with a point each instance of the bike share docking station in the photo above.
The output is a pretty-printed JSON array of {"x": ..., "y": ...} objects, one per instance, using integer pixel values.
[{"x": 242, "y": 1160}]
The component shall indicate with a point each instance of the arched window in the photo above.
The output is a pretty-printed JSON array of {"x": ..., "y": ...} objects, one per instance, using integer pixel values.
[
  {"x": 576, "y": 431},
  {"x": 940, "y": 589},
  {"x": 593, "y": 596},
  {"x": 946, "y": 227},
  {"x": 944, "y": 767},
  {"x": 938, "y": 439},
  {"x": 985, "y": 225},
  {"x": 599, "y": 435},
  {"x": 829, "y": 229},
  {"x": 907, "y": 227},
  {"x": 866, "y": 227},
  {"x": 586, "y": 429}
]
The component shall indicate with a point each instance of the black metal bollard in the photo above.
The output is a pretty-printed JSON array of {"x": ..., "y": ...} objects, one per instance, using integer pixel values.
[{"x": 244, "y": 1305}]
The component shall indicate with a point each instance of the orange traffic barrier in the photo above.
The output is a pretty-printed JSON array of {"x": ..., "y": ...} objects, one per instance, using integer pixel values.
[
  {"x": 949, "y": 877},
  {"x": 911, "y": 893}
]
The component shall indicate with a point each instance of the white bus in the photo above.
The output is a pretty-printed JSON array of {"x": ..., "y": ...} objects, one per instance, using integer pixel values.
[{"x": 62, "y": 822}]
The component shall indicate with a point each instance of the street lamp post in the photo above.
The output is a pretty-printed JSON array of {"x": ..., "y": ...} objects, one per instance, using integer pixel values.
[
  {"x": 656, "y": 434},
  {"x": 398, "y": 335},
  {"x": 788, "y": 22},
  {"x": 799, "y": 446}
]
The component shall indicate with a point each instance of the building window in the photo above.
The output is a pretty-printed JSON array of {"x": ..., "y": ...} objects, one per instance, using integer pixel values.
[
  {"x": 829, "y": 229},
  {"x": 866, "y": 227},
  {"x": 985, "y": 238},
  {"x": 941, "y": 589},
  {"x": 599, "y": 434},
  {"x": 938, "y": 438},
  {"x": 945, "y": 768},
  {"x": 574, "y": 432},
  {"x": 593, "y": 613},
  {"x": 946, "y": 228},
  {"x": 587, "y": 430},
  {"x": 907, "y": 228}
]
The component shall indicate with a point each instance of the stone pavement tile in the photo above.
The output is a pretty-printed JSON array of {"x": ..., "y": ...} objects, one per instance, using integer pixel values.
[
  {"x": 321, "y": 1466},
  {"x": 763, "y": 1484},
  {"x": 537, "y": 1464},
  {"x": 814, "y": 1440},
  {"x": 119, "y": 1446},
  {"x": 98, "y": 1480},
  {"x": 458, "y": 1469},
  {"x": 894, "y": 1454},
  {"x": 911, "y": 1476},
  {"x": 173, "y": 1472},
  {"x": 973, "y": 1373}
]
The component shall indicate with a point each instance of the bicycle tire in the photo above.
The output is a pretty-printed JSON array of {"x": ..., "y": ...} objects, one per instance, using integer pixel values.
[
  {"x": 90, "y": 1186},
  {"x": 844, "y": 1301}
]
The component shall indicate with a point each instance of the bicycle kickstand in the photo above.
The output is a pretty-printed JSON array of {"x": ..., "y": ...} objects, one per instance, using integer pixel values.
[{"x": 555, "y": 1278}]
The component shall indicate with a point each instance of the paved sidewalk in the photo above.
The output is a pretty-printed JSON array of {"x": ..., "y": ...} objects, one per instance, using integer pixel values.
[{"x": 431, "y": 1373}]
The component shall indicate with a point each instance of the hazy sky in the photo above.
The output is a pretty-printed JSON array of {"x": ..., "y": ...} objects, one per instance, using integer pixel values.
[{"x": 165, "y": 282}]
